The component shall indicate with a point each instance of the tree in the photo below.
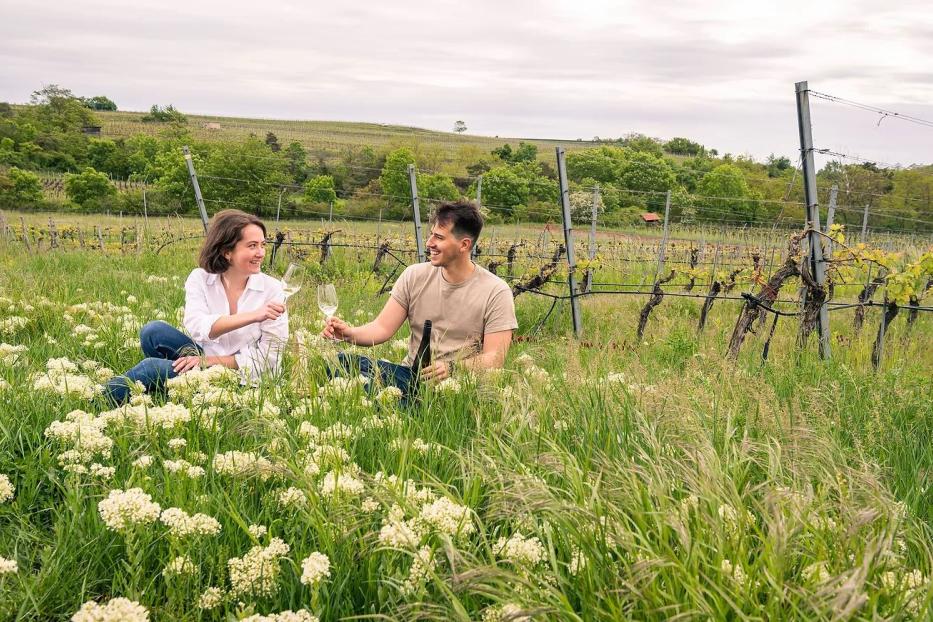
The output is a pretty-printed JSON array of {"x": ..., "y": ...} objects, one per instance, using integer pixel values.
[
  {"x": 438, "y": 187},
  {"x": 56, "y": 109},
  {"x": 460, "y": 127},
  {"x": 273, "y": 142},
  {"x": 504, "y": 152},
  {"x": 504, "y": 188},
  {"x": 646, "y": 144},
  {"x": 168, "y": 114},
  {"x": 109, "y": 157},
  {"x": 88, "y": 187},
  {"x": 524, "y": 153},
  {"x": 727, "y": 195},
  {"x": 394, "y": 176},
  {"x": 646, "y": 173},
  {"x": 320, "y": 189},
  {"x": 603, "y": 164},
  {"x": 19, "y": 189},
  {"x": 243, "y": 175},
  {"x": 297, "y": 161},
  {"x": 684, "y": 146},
  {"x": 777, "y": 165},
  {"x": 99, "y": 102}
]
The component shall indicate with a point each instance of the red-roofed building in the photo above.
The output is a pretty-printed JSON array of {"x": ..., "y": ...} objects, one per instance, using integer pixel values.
[{"x": 650, "y": 218}]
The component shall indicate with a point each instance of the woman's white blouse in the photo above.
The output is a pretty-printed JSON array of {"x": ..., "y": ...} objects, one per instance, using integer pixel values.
[{"x": 257, "y": 347}]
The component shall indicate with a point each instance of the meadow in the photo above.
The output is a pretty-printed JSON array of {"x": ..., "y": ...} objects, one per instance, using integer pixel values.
[{"x": 605, "y": 478}]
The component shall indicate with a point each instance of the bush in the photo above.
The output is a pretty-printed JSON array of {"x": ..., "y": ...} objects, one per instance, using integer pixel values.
[
  {"x": 20, "y": 189},
  {"x": 320, "y": 189},
  {"x": 89, "y": 188},
  {"x": 168, "y": 114}
]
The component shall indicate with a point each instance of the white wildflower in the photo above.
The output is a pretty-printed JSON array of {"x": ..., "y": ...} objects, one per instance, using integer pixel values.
[
  {"x": 180, "y": 524},
  {"x": 211, "y": 598},
  {"x": 123, "y": 510},
  {"x": 177, "y": 444},
  {"x": 334, "y": 483},
  {"x": 315, "y": 568},
  {"x": 117, "y": 610},
  {"x": 6, "y": 488},
  {"x": 180, "y": 566},
  {"x": 447, "y": 517},
  {"x": 257, "y": 531},
  {"x": 292, "y": 498},
  {"x": 8, "y": 566},
  {"x": 520, "y": 550},
  {"x": 257, "y": 572}
]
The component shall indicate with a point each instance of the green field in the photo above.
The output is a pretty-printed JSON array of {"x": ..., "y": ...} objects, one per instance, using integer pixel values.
[
  {"x": 334, "y": 136},
  {"x": 602, "y": 479}
]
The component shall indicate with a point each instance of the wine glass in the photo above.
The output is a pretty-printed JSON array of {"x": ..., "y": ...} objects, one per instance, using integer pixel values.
[
  {"x": 291, "y": 282},
  {"x": 327, "y": 299}
]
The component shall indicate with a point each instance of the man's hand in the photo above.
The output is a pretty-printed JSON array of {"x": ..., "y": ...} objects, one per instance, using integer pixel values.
[
  {"x": 269, "y": 311},
  {"x": 186, "y": 363},
  {"x": 337, "y": 329},
  {"x": 435, "y": 372}
]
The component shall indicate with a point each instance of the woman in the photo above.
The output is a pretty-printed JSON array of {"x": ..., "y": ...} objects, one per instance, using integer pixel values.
[{"x": 234, "y": 313}]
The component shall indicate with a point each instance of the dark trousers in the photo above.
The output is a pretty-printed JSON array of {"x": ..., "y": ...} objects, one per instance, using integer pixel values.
[{"x": 162, "y": 344}]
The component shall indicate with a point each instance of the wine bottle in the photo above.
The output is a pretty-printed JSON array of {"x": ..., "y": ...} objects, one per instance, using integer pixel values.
[{"x": 423, "y": 356}]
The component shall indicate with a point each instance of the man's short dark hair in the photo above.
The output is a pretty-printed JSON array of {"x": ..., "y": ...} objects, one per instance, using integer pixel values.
[{"x": 463, "y": 216}]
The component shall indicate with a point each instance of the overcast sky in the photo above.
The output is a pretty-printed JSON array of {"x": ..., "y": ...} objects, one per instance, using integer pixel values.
[{"x": 723, "y": 76}]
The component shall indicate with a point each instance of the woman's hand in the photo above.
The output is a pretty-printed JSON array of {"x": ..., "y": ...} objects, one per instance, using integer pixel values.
[
  {"x": 186, "y": 363},
  {"x": 336, "y": 329},
  {"x": 269, "y": 311}
]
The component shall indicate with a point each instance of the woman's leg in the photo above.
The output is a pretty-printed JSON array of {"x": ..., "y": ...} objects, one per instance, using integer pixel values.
[
  {"x": 151, "y": 372},
  {"x": 163, "y": 341}
]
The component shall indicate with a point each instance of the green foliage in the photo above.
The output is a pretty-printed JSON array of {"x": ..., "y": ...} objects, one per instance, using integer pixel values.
[
  {"x": 525, "y": 152},
  {"x": 296, "y": 162},
  {"x": 109, "y": 157},
  {"x": 645, "y": 144},
  {"x": 56, "y": 109},
  {"x": 504, "y": 188},
  {"x": 603, "y": 164},
  {"x": 437, "y": 187},
  {"x": 394, "y": 177},
  {"x": 777, "y": 165},
  {"x": 729, "y": 194},
  {"x": 320, "y": 189},
  {"x": 88, "y": 187},
  {"x": 19, "y": 189},
  {"x": 168, "y": 114},
  {"x": 684, "y": 146},
  {"x": 243, "y": 175},
  {"x": 99, "y": 102},
  {"x": 272, "y": 141},
  {"x": 644, "y": 173}
]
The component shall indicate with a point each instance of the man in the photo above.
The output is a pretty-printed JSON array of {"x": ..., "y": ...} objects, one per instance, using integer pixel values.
[{"x": 471, "y": 309}]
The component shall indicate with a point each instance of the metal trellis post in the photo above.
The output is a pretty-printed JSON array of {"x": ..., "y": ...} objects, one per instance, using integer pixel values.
[
  {"x": 817, "y": 266},
  {"x": 662, "y": 249},
  {"x": 416, "y": 208},
  {"x": 194, "y": 184},
  {"x": 568, "y": 242}
]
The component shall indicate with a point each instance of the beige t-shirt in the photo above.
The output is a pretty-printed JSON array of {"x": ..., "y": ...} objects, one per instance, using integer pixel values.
[{"x": 460, "y": 313}]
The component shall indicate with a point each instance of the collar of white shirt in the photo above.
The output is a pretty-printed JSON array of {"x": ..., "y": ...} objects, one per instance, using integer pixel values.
[{"x": 254, "y": 282}]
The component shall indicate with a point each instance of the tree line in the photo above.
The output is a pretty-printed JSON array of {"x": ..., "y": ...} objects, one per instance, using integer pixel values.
[{"x": 261, "y": 175}]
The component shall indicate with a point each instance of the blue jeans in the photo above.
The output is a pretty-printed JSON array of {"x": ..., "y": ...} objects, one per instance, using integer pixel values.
[
  {"x": 162, "y": 344},
  {"x": 390, "y": 374}
]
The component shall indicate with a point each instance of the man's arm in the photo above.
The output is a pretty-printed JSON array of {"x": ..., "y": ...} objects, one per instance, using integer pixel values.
[
  {"x": 495, "y": 347},
  {"x": 380, "y": 330}
]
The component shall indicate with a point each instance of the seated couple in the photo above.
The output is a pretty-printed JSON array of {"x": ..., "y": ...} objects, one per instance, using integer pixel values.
[{"x": 235, "y": 316}]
